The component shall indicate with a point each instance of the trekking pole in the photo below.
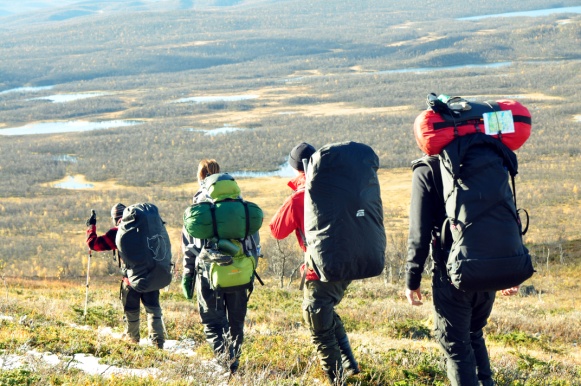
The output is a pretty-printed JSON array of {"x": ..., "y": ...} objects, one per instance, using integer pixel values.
[
  {"x": 88, "y": 276},
  {"x": 87, "y": 286}
]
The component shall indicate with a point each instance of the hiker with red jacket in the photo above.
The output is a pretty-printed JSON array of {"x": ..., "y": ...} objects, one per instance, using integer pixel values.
[
  {"x": 130, "y": 298},
  {"x": 319, "y": 298},
  {"x": 459, "y": 316}
]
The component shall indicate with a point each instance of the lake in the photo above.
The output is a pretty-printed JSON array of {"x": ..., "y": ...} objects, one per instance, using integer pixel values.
[
  {"x": 26, "y": 89},
  {"x": 62, "y": 98},
  {"x": 427, "y": 69},
  {"x": 534, "y": 13},
  {"x": 71, "y": 183},
  {"x": 217, "y": 98},
  {"x": 65, "y": 158},
  {"x": 219, "y": 131},
  {"x": 285, "y": 170},
  {"x": 65, "y": 127}
]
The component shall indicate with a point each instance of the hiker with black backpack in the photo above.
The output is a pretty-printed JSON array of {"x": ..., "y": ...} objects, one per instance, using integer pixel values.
[
  {"x": 459, "y": 316},
  {"x": 331, "y": 202},
  {"x": 130, "y": 297},
  {"x": 463, "y": 214},
  {"x": 222, "y": 305}
]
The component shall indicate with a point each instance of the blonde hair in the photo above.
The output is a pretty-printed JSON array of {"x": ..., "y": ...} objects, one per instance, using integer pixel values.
[{"x": 207, "y": 167}]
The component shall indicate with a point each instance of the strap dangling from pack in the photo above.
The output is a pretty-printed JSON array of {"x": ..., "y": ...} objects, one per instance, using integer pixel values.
[
  {"x": 518, "y": 210},
  {"x": 258, "y": 278},
  {"x": 443, "y": 232},
  {"x": 523, "y": 232},
  {"x": 304, "y": 275},
  {"x": 214, "y": 222},
  {"x": 247, "y": 215}
]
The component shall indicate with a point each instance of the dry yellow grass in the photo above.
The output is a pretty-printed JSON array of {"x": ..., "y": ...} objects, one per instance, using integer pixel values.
[{"x": 270, "y": 192}]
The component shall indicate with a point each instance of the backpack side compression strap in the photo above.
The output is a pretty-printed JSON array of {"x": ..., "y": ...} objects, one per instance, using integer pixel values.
[
  {"x": 247, "y": 215},
  {"x": 446, "y": 125},
  {"x": 214, "y": 222}
]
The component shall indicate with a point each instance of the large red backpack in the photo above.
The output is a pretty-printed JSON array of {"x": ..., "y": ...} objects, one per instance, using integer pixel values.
[{"x": 446, "y": 119}]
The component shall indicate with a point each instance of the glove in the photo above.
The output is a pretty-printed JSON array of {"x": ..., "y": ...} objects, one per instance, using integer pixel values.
[
  {"x": 188, "y": 286},
  {"x": 93, "y": 219}
]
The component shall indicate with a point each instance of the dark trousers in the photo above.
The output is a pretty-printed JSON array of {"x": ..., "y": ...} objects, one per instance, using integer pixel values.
[
  {"x": 222, "y": 315},
  {"x": 131, "y": 301},
  {"x": 319, "y": 301},
  {"x": 459, "y": 318}
]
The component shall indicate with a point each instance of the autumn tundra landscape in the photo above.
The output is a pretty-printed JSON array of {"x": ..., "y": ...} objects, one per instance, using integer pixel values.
[{"x": 112, "y": 101}]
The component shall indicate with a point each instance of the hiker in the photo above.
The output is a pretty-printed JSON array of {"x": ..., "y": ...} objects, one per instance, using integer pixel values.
[
  {"x": 459, "y": 316},
  {"x": 319, "y": 297},
  {"x": 130, "y": 298},
  {"x": 222, "y": 312}
]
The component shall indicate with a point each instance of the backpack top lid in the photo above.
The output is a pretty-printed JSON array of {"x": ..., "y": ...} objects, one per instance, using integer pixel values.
[
  {"x": 222, "y": 186},
  {"x": 454, "y": 154}
]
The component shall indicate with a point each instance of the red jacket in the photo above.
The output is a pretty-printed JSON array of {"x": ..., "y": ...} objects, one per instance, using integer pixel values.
[
  {"x": 104, "y": 243},
  {"x": 291, "y": 217},
  {"x": 101, "y": 243}
]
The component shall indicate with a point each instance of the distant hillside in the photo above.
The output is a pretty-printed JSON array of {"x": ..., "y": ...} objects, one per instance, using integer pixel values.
[
  {"x": 312, "y": 79},
  {"x": 33, "y": 11}
]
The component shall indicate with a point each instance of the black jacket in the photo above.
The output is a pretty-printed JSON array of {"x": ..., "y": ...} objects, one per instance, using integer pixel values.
[{"x": 427, "y": 214}]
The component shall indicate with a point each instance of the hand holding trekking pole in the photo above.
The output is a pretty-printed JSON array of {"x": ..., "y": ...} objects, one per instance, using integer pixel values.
[
  {"x": 87, "y": 285},
  {"x": 93, "y": 219}
]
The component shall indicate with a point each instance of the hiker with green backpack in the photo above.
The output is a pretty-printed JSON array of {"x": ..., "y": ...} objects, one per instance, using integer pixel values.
[
  {"x": 220, "y": 246},
  {"x": 463, "y": 215},
  {"x": 140, "y": 283}
]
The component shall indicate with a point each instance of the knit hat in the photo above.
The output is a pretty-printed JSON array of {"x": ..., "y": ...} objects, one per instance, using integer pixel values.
[
  {"x": 117, "y": 211},
  {"x": 300, "y": 151}
]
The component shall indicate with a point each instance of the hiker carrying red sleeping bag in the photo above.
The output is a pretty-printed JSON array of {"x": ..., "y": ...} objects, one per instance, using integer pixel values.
[{"x": 447, "y": 118}]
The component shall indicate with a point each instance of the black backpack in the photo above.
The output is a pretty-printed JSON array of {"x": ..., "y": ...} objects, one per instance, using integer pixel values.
[
  {"x": 344, "y": 227},
  {"x": 144, "y": 247},
  {"x": 487, "y": 251}
]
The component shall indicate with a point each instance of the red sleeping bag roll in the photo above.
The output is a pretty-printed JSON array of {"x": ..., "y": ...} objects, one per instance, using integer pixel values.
[{"x": 433, "y": 131}]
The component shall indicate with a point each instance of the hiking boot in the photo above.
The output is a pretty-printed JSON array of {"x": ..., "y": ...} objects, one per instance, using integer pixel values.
[
  {"x": 234, "y": 365},
  {"x": 336, "y": 378},
  {"x": 129, "y": 339},
  {"x": 350, "y": 365},
  {"x": 156, "y": 330}
]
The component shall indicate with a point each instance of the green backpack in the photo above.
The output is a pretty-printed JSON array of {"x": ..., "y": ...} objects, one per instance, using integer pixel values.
[
  {"x": 226, "y": 222},
  {"x": 230, "y": 273},
  {"x": 227, "y": 217}
]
